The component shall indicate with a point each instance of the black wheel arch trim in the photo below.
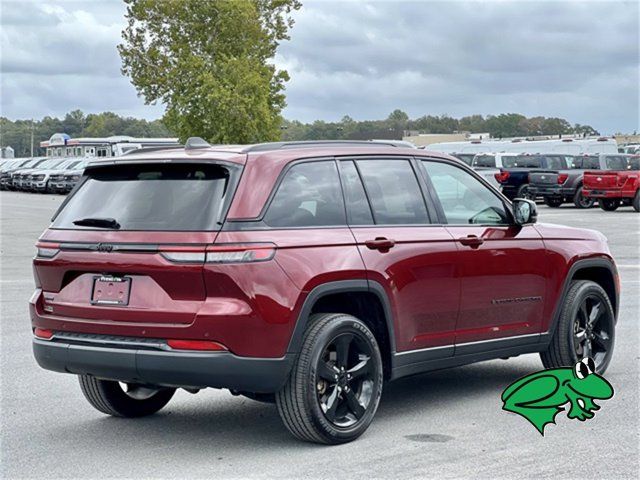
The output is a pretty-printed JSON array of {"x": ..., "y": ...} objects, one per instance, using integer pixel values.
[
  {"x": 341, "y": 286},
  {"x": 578, "y": 265}
]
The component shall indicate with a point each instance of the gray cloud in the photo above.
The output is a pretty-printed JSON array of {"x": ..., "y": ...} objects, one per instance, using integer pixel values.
[{"x": 577, "y": 60}]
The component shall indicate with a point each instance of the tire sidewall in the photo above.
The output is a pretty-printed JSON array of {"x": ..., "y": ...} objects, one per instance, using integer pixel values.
[
  {"x": 578, "y": 198},
  {"x": 333, "y": 433},
  {"x": 569, "y": 313}
]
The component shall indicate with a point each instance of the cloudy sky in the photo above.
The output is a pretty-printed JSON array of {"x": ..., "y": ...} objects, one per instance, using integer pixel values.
[{"x": 574, "y": 59}]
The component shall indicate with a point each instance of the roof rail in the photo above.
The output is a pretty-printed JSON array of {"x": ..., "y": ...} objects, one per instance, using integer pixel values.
[
  {"x": 151, "y": 149},
  {"x": 265, "y": 147}
]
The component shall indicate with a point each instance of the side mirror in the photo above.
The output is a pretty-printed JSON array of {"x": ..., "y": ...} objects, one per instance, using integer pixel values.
[{"x": 524, "y": 211}]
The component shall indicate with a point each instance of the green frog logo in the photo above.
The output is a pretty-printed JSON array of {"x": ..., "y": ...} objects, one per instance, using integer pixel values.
[{"x": 539, "y": 397}]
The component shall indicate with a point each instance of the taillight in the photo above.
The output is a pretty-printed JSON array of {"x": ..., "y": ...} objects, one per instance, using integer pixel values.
[
  {"x": 196, "y": 345},
  {"x": 223, "y": 253},
  {"x": 47, "y": 250},
  {"x": 43, "y": 333},
  {"x": 240, "y": 253},
  {"x": 183, "y": 253},
  {"x": 501, "y": 176},
  {"x": 562, "y": 177}
]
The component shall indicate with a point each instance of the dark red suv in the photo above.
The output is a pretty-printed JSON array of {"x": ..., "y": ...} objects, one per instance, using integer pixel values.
[{"x": 305, "y": 274}]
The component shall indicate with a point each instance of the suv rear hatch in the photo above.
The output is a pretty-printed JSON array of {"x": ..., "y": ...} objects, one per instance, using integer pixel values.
[{"x": 128, "y": 246}]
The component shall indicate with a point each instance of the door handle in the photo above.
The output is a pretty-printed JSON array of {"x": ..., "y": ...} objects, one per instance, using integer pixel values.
[
  {"x": 472, "y": 241},
  {"x": 380, "y": 243}
]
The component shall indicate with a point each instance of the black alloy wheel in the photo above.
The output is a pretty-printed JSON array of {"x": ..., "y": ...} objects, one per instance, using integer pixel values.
[
  {"x": 345, "y": 379},
  {"x": 593, "y": 331},
  {"x": 335, "y": 384}
]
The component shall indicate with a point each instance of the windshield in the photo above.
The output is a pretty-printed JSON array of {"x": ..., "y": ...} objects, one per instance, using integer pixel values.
[
  {"x": 484, "y": 161},
  {"x": 616, "y": 162},
  {"x": 174, "y": 197}
]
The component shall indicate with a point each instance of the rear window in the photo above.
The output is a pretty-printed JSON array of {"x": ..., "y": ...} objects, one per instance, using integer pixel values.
[
  {"x": 484, "y": 161},
  {"x": 616, "y": 162},
  {"x": 465, "y": 157},
  {"x": 522, "y": 161},
  {"x": 175, "y": 197}
]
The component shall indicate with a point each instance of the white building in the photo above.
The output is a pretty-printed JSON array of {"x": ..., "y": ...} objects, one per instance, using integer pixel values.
[{"x": 62, "y": 145}]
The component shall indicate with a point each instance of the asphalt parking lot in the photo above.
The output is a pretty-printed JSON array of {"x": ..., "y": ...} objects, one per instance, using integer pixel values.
[{"x": 446, "y": 424}]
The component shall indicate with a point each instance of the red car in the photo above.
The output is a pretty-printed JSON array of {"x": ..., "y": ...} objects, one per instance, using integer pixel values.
[
  {"x": 617, "y": 187},
  {"x": 308, "y": 274}
]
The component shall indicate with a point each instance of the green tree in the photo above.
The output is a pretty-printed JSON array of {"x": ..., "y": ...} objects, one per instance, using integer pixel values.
[{"x": 208, "y": 62}]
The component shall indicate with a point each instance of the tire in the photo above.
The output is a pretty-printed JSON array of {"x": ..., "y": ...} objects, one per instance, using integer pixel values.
[
  {"x": 523, "y": 192},
  {"x": 553, "y": 202},
  {"x": 581, "y": 201},
  {"x": 299, "y": 401},
  {"x": 566, "y": 348},
  {"x": 609, "y": 204},
  {"x": 109, "y": 397},
  {"x": 636, "y": 201}
]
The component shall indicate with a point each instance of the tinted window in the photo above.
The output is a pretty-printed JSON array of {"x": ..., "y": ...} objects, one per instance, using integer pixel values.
[
  {"x": 484, "y": 161},
  {"x": 464, "y": 199},
  {"x": 151, "y": 197},
  {"x": 465, "y": 157},
  {"x": 309, "y": 195},
  {"x": 616, "y": 162},
  {"x": 556, "y": 162},
  {"x": 358, "y": 210},
  {"x": 393, "y": 191},
  {"x": 634, "y": 163},
  {"x": 521, "y": 161},
  {"x": 587, "y": 163}
]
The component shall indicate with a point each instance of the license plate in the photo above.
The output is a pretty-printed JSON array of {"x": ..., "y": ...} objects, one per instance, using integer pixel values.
[{"x": 109, "y": 290}]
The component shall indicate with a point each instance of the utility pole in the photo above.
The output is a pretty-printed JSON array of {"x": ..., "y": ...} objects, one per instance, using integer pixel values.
[{"x": 32, "y": 138}]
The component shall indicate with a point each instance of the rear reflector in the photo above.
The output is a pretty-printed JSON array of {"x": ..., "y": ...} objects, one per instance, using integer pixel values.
[
  {"x": 43, "y": 333},
  {"x": 196, "y": 345}
]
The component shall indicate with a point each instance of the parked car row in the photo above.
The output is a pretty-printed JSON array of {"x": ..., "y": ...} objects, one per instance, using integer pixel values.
[
  {"x": 42, "y": 174},
  {"x": 560, "y": 178}
]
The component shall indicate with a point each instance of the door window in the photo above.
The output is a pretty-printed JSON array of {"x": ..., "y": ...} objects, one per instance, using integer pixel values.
[
  {"x": 464, "y": 199},
  {"x": 309, "y": 195},
  {"x": 393, "y": 191}
]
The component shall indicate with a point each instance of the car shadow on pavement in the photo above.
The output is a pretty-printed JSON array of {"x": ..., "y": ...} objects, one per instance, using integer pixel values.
[{"x": 238, "y": 423}]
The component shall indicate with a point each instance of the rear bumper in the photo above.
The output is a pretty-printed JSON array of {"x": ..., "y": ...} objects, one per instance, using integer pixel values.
[
  {"x": 164, "y": 368},
  {"x": 551, "y": 190},
  {"x": 607, "y": 194}
]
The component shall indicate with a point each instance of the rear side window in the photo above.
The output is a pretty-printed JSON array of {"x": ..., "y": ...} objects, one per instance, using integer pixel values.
[
  {"x": 358, "y": 210},
  {"x": 308, "y": 196},
  {"x": 393, "y": 191},
  {"x": 175, "y": 197}
]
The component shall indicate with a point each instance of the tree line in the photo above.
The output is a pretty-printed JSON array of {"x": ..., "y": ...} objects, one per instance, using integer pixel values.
[
  {"x": 17, "y": 134},
  {"x": 398, "y": 123}
]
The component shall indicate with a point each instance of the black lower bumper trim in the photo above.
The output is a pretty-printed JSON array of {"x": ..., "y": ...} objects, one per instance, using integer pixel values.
[{"x": 169, "y": 369}]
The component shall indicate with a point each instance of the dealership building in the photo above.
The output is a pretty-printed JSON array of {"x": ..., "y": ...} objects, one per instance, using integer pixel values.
[{"x": 62, "y": 145}]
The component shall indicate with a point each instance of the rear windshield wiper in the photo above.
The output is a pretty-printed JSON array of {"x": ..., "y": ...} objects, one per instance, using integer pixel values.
[{"x": 98, "y": 222}]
